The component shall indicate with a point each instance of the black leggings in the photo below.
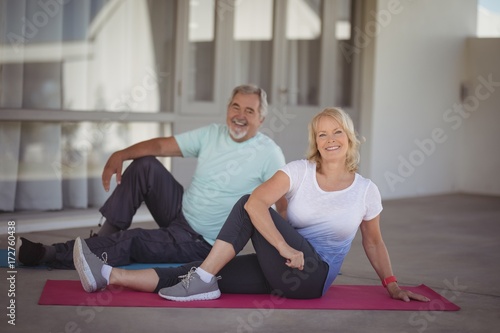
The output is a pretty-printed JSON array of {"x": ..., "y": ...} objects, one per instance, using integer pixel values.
[{"x": 265, "y": 271}]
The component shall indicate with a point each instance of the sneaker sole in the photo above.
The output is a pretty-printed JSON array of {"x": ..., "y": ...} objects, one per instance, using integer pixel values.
[
  {"x": 89, "y": 284},
  {"x": 198, "y": 297}
]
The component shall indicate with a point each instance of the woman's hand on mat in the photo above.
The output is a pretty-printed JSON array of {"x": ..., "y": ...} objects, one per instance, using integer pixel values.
[
  {"x": 294, "y": 258},
  {"x": 113, "y": 166},
  {"x": 404, "y": 295}
]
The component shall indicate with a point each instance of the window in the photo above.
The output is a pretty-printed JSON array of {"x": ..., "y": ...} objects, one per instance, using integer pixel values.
[
  {"x": 290, "y": 48},
  {"x": 303, "y": 50},
  {"x": 96, "y": 75},
  {"x": 253, "y": 42},
  {"x": 201, "y": 50},
  {"x": 67, "y": 69},
  {"x": 488, "y": 18}
]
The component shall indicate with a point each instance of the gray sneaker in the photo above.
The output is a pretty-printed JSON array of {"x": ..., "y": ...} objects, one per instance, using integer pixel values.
[
  {"x": 192, "y": 288},
  {"x": 88, "y": 266}
]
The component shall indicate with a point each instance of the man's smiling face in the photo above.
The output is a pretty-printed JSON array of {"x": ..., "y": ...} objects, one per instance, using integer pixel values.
[{"x": 243, "y": 116}]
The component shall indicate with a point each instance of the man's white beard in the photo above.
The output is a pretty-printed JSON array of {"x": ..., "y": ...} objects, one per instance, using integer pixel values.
[{"x": 238, "y": 134}]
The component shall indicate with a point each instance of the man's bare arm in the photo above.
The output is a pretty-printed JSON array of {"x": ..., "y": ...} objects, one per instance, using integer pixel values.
[{"x": 164, "y": 147}]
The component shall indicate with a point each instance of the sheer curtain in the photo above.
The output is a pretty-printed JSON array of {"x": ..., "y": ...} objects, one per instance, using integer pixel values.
[
  {"x": 10, "y": 135},
  {"x": 30, "y": 82},
  {"x": 85, "y": 55}
]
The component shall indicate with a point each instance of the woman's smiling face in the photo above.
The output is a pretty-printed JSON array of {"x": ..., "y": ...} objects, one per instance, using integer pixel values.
[{"x": 331, "y": 140}]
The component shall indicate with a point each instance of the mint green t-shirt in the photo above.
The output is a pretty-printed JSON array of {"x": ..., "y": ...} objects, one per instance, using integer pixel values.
[{"x": 226, "y": 171}]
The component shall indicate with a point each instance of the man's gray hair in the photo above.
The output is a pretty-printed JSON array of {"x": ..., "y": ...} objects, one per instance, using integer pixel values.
[{"x": 248, "y": 89}]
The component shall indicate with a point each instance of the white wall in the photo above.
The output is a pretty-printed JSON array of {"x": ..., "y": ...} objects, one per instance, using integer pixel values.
[
  {"x": 418, "y": 66},
  {"x": 480, "y": 162}
]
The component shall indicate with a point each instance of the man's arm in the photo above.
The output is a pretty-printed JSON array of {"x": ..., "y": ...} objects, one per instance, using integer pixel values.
[{"x": 155, "y": 147}]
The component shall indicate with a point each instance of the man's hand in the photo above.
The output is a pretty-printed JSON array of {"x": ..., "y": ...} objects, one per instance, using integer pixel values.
[{"x": 113, "y": 166}]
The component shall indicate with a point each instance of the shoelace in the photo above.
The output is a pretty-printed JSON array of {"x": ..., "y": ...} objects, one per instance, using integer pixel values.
[
  {"x": 187, "y": 277},
  {"x": 104, "y": 257}
]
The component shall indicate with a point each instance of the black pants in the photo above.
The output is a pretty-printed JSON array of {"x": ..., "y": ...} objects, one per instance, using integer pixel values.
[
  {"x": 265, "y": 271},
  {"x": 145, "y": 181}
]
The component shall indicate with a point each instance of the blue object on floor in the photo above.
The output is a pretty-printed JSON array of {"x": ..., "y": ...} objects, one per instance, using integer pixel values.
[
  {"x": 4, "y": 259},
  {"x": 136, "y": 265},
  {"x": 4, "y": 263}
]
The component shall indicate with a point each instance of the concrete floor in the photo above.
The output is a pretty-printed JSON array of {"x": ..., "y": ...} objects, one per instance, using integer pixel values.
[{"x": 450, "y": 243}]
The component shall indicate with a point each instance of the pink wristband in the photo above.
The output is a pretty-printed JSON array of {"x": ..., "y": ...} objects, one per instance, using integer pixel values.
[{"x": 388, "y": 280}]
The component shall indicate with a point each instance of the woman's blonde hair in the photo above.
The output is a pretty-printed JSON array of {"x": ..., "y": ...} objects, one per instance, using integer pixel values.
[{"x": 352, "y": 158}]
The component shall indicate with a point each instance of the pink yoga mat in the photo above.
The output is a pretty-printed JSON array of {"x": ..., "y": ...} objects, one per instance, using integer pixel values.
[{"x": 338, "y": 297}]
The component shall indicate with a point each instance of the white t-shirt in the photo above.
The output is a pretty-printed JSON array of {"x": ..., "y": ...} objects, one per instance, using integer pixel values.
[
  {"x": 226, "y": 170},
  {"x": 329, "y": 220}
]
